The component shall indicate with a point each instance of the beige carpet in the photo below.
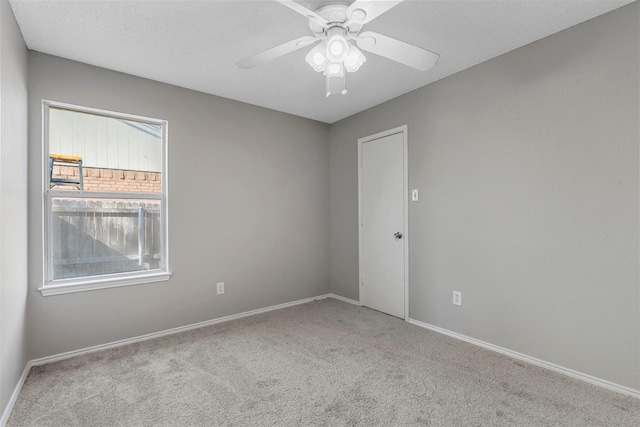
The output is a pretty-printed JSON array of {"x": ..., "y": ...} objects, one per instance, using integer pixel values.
[{"x": 325, "y": 363}]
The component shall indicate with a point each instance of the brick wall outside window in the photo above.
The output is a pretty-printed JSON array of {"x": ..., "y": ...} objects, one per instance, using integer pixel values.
[{"x": 112, "y": 180}]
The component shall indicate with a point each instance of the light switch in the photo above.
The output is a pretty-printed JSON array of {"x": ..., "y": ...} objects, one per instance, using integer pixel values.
[{"x": 414, "y": 195}]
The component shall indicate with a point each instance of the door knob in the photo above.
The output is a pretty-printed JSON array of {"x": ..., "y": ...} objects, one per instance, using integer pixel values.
[{"x": 398, "y": 235}]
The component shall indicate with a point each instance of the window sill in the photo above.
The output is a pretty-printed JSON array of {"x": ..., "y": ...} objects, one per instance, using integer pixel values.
[{"x": 90, "y": 285}]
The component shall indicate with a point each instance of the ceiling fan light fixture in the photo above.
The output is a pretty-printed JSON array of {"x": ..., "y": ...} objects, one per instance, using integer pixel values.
[
  {"x": 337, "y": 48},
  {"x": 316, "y": 57},
  {"x": 334, "y": 69},
  {"x": 354, "y": 59},
  {"x": 319, "y": 59}
]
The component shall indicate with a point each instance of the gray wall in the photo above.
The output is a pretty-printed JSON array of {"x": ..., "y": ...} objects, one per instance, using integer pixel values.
[
  {"x": 527, "y": 167},
  {"x": 249, "y": 205},
  {"x": 13, "y": 203}
]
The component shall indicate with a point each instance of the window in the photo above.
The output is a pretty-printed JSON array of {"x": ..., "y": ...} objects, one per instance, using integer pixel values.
[{"x": 105, "y": 199}]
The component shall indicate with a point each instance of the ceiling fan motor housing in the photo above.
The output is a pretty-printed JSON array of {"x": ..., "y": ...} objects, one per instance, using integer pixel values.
[{"x": 336, "y": 15}]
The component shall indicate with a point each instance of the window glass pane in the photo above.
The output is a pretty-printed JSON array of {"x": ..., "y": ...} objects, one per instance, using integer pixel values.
[
  {"x": 92, "y": 237},
  {"x": 92, "y": 152}
]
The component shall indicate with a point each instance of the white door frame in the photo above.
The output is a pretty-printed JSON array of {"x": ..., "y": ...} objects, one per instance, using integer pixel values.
[{"x": 405, "y": 200}]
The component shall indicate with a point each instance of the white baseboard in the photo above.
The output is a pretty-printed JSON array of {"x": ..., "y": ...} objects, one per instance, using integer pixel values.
[
  {"x": 100, "y": 347},
  {"x": 341, "y": 298},
  {"x": 547, "y": 365},
  {"x": 54, "y": 358},
  {"x": 127, "y": 341},
  {"x": 113, "y": 344},
  {"x": 14, "y": 395}
]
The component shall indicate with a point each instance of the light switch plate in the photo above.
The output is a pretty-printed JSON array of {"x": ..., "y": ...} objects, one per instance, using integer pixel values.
[
  {"x": 414, "y": 195},
  {"x": 457, "y": 298}
]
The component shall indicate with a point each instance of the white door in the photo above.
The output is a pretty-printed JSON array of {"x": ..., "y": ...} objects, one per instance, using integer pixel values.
[{"x": 382, "y": 222}]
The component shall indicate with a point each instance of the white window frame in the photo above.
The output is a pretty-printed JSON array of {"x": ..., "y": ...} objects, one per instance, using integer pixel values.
[{"x": 87, "y": 283}]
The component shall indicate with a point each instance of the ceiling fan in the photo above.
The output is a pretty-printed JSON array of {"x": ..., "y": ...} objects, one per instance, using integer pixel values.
[{"x": 337, "y": 27}]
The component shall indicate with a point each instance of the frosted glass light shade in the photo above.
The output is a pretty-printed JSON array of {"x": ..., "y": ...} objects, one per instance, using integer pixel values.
[
  {"x": 337, "y": 48},
  {"x": 354, "y": 59},
  {"x": 334, "y": 69},
  {"x": 316, "y": 57},
  {"x": 333, "y": 57}
]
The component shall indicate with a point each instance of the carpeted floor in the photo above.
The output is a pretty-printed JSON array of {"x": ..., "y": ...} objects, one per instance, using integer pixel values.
[{"x": 326, "y": 363}]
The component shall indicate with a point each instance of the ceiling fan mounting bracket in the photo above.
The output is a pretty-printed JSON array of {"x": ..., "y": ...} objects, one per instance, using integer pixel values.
[
  {"x": 336, "y": 16},
  {"x": 335, "y": 29}
]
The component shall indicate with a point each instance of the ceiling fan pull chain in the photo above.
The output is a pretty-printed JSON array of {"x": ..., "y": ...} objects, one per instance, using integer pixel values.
[{"x": 336, "y": 85}]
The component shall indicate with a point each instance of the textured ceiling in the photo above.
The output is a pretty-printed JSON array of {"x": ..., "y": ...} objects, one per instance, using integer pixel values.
[{"x": 195, "y": 44}]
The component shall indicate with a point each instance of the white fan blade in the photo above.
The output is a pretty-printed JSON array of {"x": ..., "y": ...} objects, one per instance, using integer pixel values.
[
  {"x": 371, "y": 8},
  {"x": 276, "y": 52},
  {"x": 304, "y": 12},
  {"x": 396, "y": 50}
]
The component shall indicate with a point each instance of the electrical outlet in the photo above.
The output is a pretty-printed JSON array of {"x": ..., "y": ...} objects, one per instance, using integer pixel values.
[
  {"x": 457, "y": 298},
  {"x": 220, "y": 288}
]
